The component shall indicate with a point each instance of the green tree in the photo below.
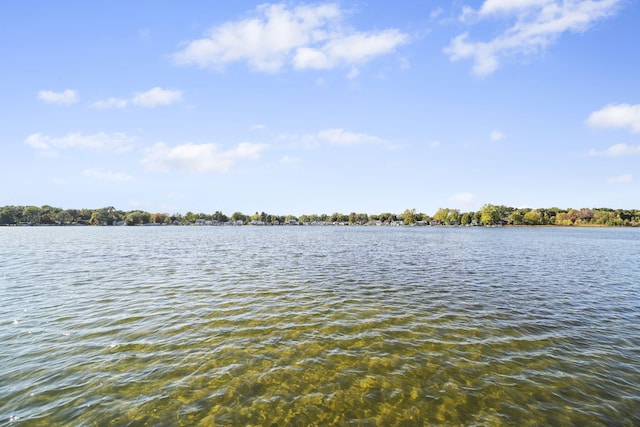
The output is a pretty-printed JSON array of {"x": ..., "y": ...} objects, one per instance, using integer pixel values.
[
  {"x": 159, "y": 218},
  {"x": 409, "y": 216},
  {"x": 48, "y": 214},
  {"x": 64, "y": 217},
  {"x": 453, "y": 217},
  {"x": 31, "y": 214},
  {"x": 532, "y": 217},
  {"x": 441, "y": 215},
  {"x": 105, "y": 215},
  {"x": 220, "y": 217},
  {"x": 466, "y": 218},
  {"x": 516, "y": 217},
  {"x": 352, "y": 218},
  {"x": 362, "y": 218},
  {"x": 10, "y": 215},
  {"x": 238, "y": 216},
  {"x": 489, "y": 215},
  {"x": 137, "y": 218}
]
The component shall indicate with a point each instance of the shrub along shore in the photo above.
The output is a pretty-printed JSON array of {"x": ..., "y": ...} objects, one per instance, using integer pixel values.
[{"x": 488, "y": 215}]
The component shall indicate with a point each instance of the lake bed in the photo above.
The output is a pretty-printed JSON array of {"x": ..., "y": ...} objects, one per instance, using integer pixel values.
[{"x": 319, "y": 326}]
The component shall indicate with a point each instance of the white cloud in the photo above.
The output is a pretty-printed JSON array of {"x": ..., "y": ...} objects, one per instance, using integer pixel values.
[
  {"x": 258, "y": 127},
  {"x": 157, "y": 97},
  {"x": 435, "y": 144},
  {"x": 341, "y": 137},
  {"x": 154, "y": 97},
  {"x": 463, "y": 200},
  {"x": 616, "y": 116},
  {"x": 509, "y": 6},
  {"x": 496, "y": 135},
  {"x": 538, "y": 23},
  {"x": 277, "y": 36},
  {"x": 118, "y": 142},
  {"x": 66, "y": 97},
  {"x": 436, "y": 13},
  {"x": 106, "y": 175},
  {"x": 617, "y": 150},
  {"x": 622, "y": 179},
  {"x": 201, "y": 158},
  {"x": 348, "y": 50},
  {"x": 333, "y": 136},
  {"x": 110, "y": 103}
]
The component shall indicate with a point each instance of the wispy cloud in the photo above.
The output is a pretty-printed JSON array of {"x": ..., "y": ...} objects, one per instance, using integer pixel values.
[
  {"x": 110, "y": 103},
  {"x": 157, "y": 97},
  {"x": 536, "y": 24},
  {"x": 101, "y": 174},
  {"x": 198, "y": 158},
  {"x": 118, "y": 142},
  {"x": 617, "y": 150},
  {"x": 622, "y": 179},
  {"x": 332, "y": 136},
  {"x": 496, "y": 135},
  {"x": 624, "y": 116},
  {"x": 339, "y": 136},
  {"x": 154, "y": 97},
  {"x": 276, "y": 36},
  {"x": 66, "y": 97},
  {"x": 436, "y": 13}
]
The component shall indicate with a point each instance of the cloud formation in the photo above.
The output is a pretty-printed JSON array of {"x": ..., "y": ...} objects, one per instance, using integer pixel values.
[
  {"x": 617, "y": 150},
  {"x": 496, "y": 135},
  {"x": 276, "y": 36},
  {"x": 154, "y": 97},
  {"x": 332, "y": 136},
  {"x": 100, "y": 174},
  {"x": 339, "y": 136},
  {"x": 110, "y": 103},
  {"x": 66, "y": 97},
  {"x": 118, "y": 142},
  {"x": 535, "y": 24},
  {"x": 623, "y": 116},
  {"x": 199, "y": 158},
  {"x": 157, "y": 97}
]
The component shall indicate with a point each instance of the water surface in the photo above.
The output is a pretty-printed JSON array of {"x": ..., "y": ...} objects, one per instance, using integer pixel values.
[{"x": 319, "y": 326}]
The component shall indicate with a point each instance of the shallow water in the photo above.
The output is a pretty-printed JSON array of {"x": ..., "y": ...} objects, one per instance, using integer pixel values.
[{"x": 319, "y": 326}]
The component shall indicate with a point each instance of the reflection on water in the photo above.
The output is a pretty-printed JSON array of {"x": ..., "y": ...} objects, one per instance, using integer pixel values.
[{"x": 319, "y": 326}]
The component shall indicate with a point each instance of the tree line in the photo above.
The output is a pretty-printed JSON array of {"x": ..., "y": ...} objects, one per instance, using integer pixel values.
[{"x": 487, "y": 215}]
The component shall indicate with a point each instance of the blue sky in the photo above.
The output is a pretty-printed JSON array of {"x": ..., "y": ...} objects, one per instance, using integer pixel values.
[{"x": 300, "y": 108}]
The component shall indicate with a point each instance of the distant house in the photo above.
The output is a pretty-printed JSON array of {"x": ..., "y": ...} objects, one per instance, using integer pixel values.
[{"x": 201, "y": 221}]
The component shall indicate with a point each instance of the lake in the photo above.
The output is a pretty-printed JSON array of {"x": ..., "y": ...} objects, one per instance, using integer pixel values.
[{"x": 352, "y": 326}]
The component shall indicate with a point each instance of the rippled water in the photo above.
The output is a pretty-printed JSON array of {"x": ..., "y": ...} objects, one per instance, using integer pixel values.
[{"x": 319, "y": 326}]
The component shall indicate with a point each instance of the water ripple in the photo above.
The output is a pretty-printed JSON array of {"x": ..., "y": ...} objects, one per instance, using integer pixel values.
[{"x": 319, "y": 326}]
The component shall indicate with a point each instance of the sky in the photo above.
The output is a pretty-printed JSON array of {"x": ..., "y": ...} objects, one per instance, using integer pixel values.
[{"x": 320, "y": 107}]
